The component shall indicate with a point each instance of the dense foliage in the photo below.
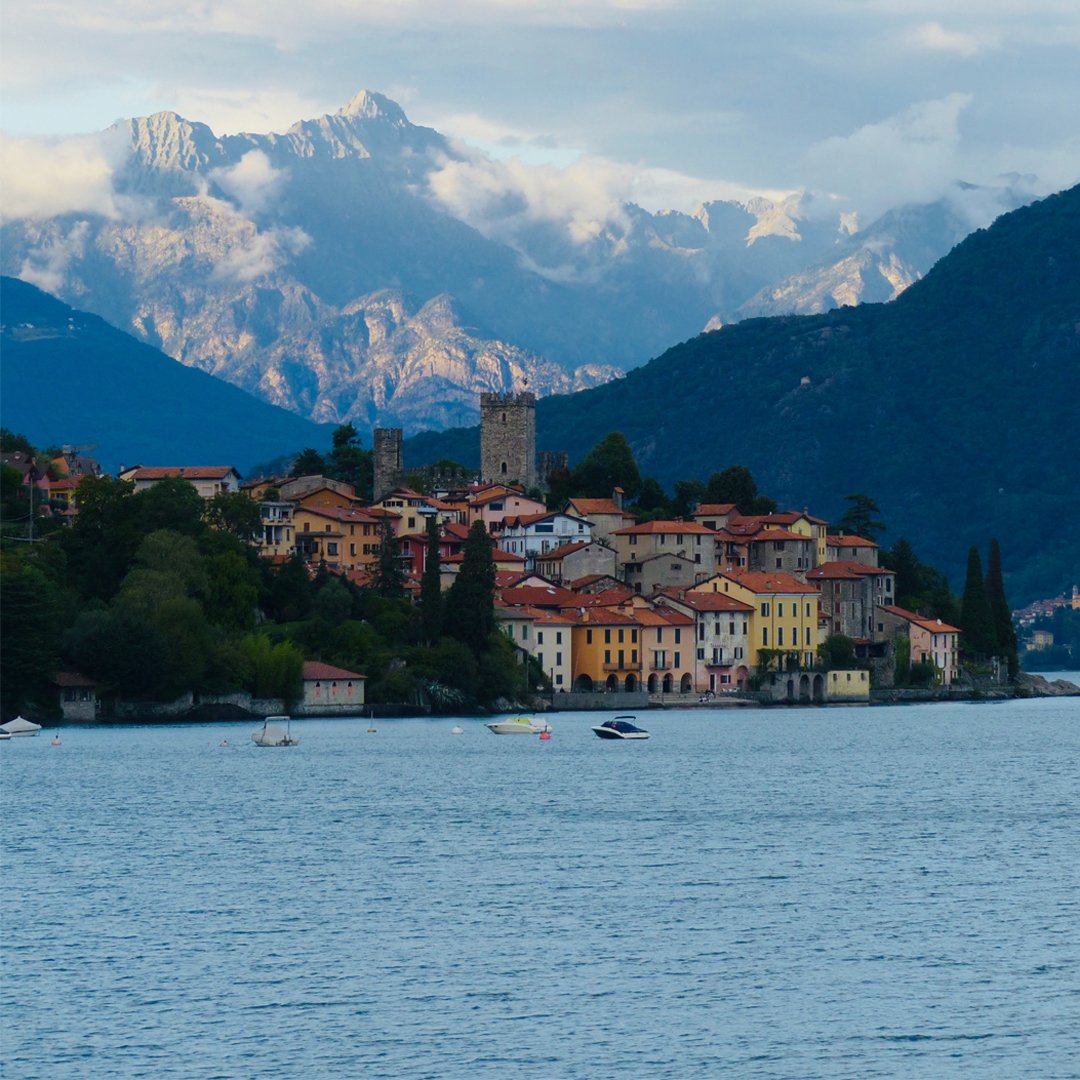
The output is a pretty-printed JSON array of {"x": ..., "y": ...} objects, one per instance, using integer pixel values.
[{"x": 157, "y": 593}]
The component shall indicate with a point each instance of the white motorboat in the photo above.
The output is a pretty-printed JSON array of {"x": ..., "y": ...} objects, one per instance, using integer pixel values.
[
  {"x": 272, "y": 734},
  {"x": 518, "y": 725},
  {"x": 19, "y": 726},
  {"x": 622, "y": 727}
]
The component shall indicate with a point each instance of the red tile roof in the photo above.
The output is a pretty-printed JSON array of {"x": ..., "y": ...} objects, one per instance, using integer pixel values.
[
  {"x": 705, "y": 601},
  {"x": 563, "y": 550},
  {"x": 316, "y": 669},
  {"x": 850, "y": 540},
  {"x": 598, "y": 506},
  {"x": 716, "y": 509},
  {"x": 665, "y": 527},
  {"x": 762, "y": 581},
  {"x": 935, "y": 626},
  {"x": 188, "y": 472}
]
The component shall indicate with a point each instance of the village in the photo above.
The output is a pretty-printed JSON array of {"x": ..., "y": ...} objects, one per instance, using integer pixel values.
[{"x": 717, "y": 607}]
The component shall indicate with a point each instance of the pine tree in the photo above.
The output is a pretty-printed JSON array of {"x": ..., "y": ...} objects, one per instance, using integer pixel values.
[
  {"x": 859, "y": 517},
  {"x": 470, "y": 603},
  {"x": 976, "y": 621},
  {"x": 1004, "y": 631},
  {"x": 431, "y": 613}
]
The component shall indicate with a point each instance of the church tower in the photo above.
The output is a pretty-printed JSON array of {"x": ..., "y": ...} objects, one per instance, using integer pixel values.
[{"x": 508, "y": 438}]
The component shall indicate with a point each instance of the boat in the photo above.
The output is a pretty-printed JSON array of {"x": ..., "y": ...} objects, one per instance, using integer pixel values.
[
  {"x": 19, "y": 726},
  {"x": 622, "y": 727},
  {"x": 273, "y": 734},
  {"x": 518, "y": 725}
]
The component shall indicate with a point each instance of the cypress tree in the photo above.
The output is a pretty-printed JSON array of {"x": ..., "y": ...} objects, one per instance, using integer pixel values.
[
  {"x": 1004, "y": 631},
  {"x": 389, "y": 580},
  {"x": 431, "y": 614},
  {"x": 976, "y": 621},
  {"x": 470, "y": 604}
]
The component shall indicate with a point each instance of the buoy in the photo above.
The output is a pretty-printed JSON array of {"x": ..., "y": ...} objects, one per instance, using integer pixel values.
[
  {"x": 224, "y": 742},
  {"x": 545, "y": 735},
  {"x": 56, "y": 740},
  {"x": 455, "y": 730}
]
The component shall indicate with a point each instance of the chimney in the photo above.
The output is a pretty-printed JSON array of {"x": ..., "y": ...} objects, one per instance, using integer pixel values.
[{"x": 617, "y": 497}]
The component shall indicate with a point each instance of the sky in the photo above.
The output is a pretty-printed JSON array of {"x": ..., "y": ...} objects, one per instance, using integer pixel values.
[{"x": 666, "y": 102}]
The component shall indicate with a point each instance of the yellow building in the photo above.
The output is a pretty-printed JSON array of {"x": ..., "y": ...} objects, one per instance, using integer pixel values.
[
  {"x": 343, "y": 537},
  {"x": 606, "y": 650},
  {"x": 784, "y": 619}
]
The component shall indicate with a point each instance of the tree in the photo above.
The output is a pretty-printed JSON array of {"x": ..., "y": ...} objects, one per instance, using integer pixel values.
[
  {"x": 734, "y": 485},
  {"x": 172, "y": 503},
  {"x": 389, "y": 580},
  {"x": 348, "y": 462},
  {"x": 431, "y": 586},
  {"x": 29, "y": 608},
  {"x": 289, "y": 592},
  {"x": 688, "y": 493},
  {"x": 859, "y": 517},
  {"x": 234, "y": 512},
  {"x": 608, "y": 465},
  {"x": 309, "y": 462},
  {"x": 976, "y": 620},
  {"x": 1004, "y": 631},
  {"x": 470, "y": 603},
  {"x": 837, "y": 651}
]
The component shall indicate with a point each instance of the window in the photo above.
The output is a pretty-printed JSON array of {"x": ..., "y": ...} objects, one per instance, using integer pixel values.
[
  {"x": 524, "y": 632},
  {"x": 780, "y": 610},
  {"x": 633, "y": 637},
  {"x": 738, "y": 652},
  {"x": 558, "y": 680},
  {"x": 701, "y": 631},
  {"x": 779, "y": 636},
  {"x": 558, "y": 637},
  {"x": 779, "y": 564},
  {"x": 808, "y": 611},
  {"x": 607, "y": 637},
  {"x": 678, "y": 660},
  {"x": 307, "y": 526},
  {"x": 701, "y": 654},
  {"x": 331, "y": 548},
  {"x": 607, "y": 656},
  {"x": 808, "y": 635},
  {"x": 765, "y": 636},
  {"x": 352, "y": 549},
  {"x": 716, "y": 629},
  {"x": 659, "y": 635},
  {"x": 765, "y": 609},
  {"x": 558, "y": 659},
  {"x": 678, "y": 635},
  {"x": 620, "y": 636},
  {"x": 539, "y": 637},
  {"x": 731, "y": 628},
  {"x": 633, "y": 656},
  {"x": 778, "y": 545},
  {"x": 540, "y": 660}
]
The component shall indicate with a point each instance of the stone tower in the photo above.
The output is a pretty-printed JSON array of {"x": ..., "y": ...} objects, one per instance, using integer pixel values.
[
  {"x": 508, "y": 438},
  {"x": 387, "y": 461}
]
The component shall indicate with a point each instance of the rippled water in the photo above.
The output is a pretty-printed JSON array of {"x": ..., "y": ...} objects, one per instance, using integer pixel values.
[{"x": 789, "y": 893}]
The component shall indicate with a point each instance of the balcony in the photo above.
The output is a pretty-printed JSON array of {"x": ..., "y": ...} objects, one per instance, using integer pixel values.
[{"x": 629, "y": 665}]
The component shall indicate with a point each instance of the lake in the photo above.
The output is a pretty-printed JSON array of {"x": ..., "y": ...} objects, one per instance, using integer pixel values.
[{"x": 844, "y": 892}]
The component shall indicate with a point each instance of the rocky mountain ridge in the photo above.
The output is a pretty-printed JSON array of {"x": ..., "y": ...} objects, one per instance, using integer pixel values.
[{"x": 337, "y": 269}]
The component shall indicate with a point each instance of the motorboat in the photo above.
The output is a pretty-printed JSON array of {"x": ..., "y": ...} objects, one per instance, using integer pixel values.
[
  {"x": 622, "y": 727},
  {"x": 19, "y": 726},
  {"x": 518, "y": 725},
  {"x": 273, "y": 734}
]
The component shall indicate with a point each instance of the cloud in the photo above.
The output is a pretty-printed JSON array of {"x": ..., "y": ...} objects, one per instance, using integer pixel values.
[
  {"x": 252, "y": 182},
  {"x": 914, "y": 156},
  {"x": 934, "y": 36},
  {"x": 46, "y": 266},
  {"x": 44, "y": 177}
]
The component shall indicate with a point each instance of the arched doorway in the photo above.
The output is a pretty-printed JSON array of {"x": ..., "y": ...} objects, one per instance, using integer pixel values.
[
  {"x": 819, "y": 689},
  {"x": 791, "y": 689},
  {"x": 669, "y": 683},
  {"x": 612, "y": 683},
  {"x": 741, "y": 676},
  {"x": 583, "y": 684},
  {"x": 686, "y": 684},
  {"x": 804, "y": 688},
  {"x": 653, "y": 683},
  {"x": 631, "y": 684}
]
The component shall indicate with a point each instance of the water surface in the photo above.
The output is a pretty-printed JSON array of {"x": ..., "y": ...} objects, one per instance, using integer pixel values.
[{"x": 766, "y": 893}]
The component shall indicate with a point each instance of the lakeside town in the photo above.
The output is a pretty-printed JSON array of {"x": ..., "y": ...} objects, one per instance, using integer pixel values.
[{"x": 717, "y": 606}]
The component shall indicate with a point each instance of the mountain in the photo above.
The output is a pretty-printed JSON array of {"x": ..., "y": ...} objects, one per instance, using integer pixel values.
[
  {"x": 69, "y": 377},
  {"x": 955, "y": 406},
  {"x": 361, "y": 267}
]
